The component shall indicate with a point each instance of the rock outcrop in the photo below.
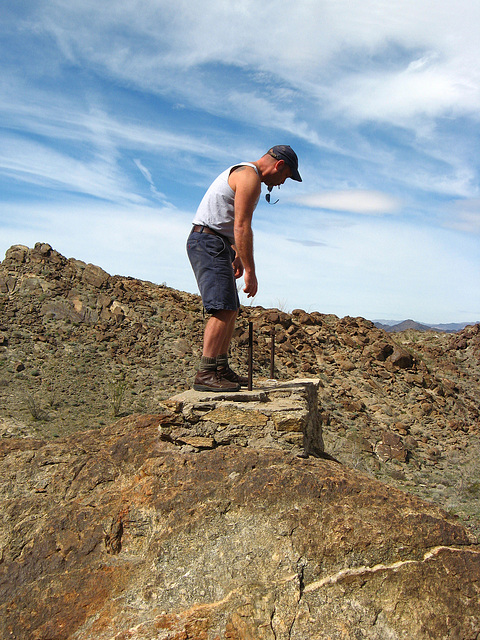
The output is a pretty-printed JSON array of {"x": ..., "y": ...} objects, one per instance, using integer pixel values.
[
  {"x": 204, "y": 519},
  {"x": 119, "y": 534},
  {"x": 276, "y": 415},
  {"x": 78, "y": 346}
]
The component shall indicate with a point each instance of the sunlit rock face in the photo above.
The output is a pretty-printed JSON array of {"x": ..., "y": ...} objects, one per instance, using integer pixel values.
[{"x": 117, "y": 533}]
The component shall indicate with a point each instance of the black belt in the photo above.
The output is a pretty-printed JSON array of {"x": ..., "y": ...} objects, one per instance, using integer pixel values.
[{"x": 201, "y": 228}]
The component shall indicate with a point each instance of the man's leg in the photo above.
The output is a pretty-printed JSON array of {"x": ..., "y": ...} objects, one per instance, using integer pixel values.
[
  {"x": 217, "y": 337},
  {"x": 218, "y": 333},
  {"x": 223, "y": 368},
  {"x": 211, "y": 258}
]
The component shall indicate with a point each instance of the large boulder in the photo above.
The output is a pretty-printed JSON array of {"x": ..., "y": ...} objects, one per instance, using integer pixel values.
[{"x": 118, "y": 534}]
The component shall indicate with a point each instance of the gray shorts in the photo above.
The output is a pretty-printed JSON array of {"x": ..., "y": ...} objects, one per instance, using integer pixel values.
[{"x": 211, "y": 258}]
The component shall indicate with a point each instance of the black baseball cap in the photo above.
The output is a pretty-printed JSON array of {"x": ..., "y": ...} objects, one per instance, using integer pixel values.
[{"x": 288, "y": 155}]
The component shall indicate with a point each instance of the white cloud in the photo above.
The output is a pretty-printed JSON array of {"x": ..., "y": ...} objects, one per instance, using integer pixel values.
[
  {"x": 353, "y": 201},
  {"x": 31, "y": 111},
  {"x": 64, "y": 147},
  {"x": 148, "y": 177},
  {"x": 406, "y": 63},
  {"x": 37, "y": 164},
  {"x": 421, "y": 89},
  {"x": 464, "y": 215},
  {"x": 426, "y": 53}
]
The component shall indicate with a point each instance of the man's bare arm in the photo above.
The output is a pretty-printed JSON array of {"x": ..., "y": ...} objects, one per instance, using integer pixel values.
[{"x": 247, "y": 186}]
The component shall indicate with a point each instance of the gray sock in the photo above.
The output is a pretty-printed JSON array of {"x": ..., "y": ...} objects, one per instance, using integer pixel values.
[
  {"x": 208, "y": 364},
  {"x": 222, "y": 360}
]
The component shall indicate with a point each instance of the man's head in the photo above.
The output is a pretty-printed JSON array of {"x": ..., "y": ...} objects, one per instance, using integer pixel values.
[{"x": 289, "y": 157}]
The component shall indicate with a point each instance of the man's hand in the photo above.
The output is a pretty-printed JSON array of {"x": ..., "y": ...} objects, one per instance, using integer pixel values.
[
  {"x": 251, "y": 284},
  {"x": 237, "y": 267}
]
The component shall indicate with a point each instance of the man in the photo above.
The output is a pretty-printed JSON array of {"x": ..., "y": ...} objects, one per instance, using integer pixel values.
[{"x": 220, "y": 249}]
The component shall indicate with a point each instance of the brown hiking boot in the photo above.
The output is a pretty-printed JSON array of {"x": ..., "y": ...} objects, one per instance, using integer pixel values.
[
  {"x": 208, "y": 380},
  {"x": 228, "y": 374}
]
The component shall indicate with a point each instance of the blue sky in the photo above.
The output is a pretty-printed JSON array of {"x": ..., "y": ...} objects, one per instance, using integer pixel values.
[{"x": 115, "y": 117}]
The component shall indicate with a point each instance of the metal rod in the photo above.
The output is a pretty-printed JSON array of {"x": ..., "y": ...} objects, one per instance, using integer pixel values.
[
  {"x": 272, "y": 355},
  {"x": 250, "y": 356}
]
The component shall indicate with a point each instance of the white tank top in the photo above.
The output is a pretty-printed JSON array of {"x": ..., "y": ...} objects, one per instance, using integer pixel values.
[{"x": 216, "y": 210}]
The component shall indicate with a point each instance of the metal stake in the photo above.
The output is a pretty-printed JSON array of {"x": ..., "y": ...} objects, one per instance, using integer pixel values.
[
  {"x": 272, "y": 355},
  {"x": 250, "y": 356}
]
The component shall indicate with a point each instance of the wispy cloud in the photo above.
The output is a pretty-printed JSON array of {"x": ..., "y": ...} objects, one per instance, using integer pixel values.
[
  {"x": 308, "y": 243},
  {"x": 353, "y": 201},
  {"x": 427, "y": 47},
  {"x": 148, "y": 177},
  {"x": 37, "y": 164},
  {"x": 425, "y": 87},
  {"x": 464, "y": 215}
]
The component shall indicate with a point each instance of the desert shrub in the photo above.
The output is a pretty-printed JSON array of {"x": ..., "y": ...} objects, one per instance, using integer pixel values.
[
  {"x": 33, "y": 406},
  {"x": 117, "y": 389}
]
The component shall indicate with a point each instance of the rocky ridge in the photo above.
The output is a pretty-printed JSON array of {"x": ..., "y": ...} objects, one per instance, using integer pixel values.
[
  {"x": 156, "y": 527},
  {"x": 78, "y": 346}
]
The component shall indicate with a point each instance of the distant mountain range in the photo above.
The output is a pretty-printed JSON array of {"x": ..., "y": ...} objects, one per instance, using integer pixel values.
[{"x": 393, "y": 326}]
